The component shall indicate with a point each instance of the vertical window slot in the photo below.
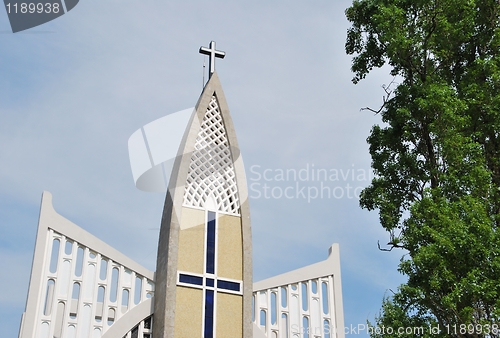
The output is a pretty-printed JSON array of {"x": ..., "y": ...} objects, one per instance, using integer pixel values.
[
  {"x": 210, "y": 242},
  {"x": 49, "y": 296},
  {"x": 54, "y": 257}
]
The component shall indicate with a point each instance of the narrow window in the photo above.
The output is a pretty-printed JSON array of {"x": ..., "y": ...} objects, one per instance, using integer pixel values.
[
  {"x": 190, "y": 279},
  {"x": 135, "y": 332},
  {"x": 111, "y": 316},
  {"x": 210, "y": 242},
  {"x": 305, "y": 327},
  {"x": 76, "y": 291},
  {"x": 283, "y": 296},
  {"x": 100, "y": 294},
  {"x": 104, "y": 269},
  {"x": 125, "y": 296},
  {"x": 273, "y": 308},
  {"x": 147, "y": 323},
  {"x": 79, "y": 262},
  {"x": 100, "y": 304},
  {"x": 114, "y": 285},
  {"x": 284, "y": 325},
  {"x": 324, "y": 295},
  {"x": 263, "y": 318},
  {"x": 209, "y": 313},
  {"x": 138, "y": 290},
  {"x": 55, "y": 255},
  {"x": 75, "y": 296},
  {"x": 326, "y": 328},
  {"x": 49, "y": 296},
  {"x": 314, "y": 287},
  {"x": 223, "y": 284},
  {"x": 304, "y": 297},
  {"x": 68, "y": 248}
]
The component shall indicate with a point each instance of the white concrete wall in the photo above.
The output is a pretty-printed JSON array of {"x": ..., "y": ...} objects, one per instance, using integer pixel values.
[
  {"x": 80, "y": 287},
  {"x": 304, "y": 303}
]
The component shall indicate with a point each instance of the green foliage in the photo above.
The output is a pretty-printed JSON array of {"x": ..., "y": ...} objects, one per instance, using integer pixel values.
[
  {"x": 403, "y": 318},
  {"x": 437, "y": 160}
]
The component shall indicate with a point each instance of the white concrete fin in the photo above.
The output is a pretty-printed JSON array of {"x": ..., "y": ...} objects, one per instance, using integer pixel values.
[
  {"x": 306, "y": 302},
  {"x": 80, "y": 285}
]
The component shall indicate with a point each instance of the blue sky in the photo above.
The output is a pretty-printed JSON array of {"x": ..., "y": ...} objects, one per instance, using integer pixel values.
[{"x": 73, "y": 90}]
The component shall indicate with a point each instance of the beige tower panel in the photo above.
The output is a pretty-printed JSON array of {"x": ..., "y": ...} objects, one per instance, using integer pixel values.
[
  {"x": 191, "y": 240},
  {"x": 188, "y": 313},
  {"x": 229, "y": 316},
  {"x": 230, "y": 246}
]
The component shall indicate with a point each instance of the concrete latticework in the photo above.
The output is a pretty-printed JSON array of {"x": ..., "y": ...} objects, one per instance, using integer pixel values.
[{"x": 211, "y": 171}]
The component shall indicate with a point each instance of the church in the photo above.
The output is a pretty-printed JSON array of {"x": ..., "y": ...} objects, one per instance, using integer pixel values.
[{"x": 203, "y": 286}]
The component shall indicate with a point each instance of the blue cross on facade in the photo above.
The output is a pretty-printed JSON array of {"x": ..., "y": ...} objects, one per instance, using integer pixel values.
[{"x": 209, "y": 281}]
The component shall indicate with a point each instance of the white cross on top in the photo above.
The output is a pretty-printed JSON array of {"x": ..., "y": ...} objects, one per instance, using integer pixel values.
[{"x": 212, "y": 54}]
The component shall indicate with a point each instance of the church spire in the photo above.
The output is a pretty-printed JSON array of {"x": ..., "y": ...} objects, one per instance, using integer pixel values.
[{"x": 204, "y": 253}]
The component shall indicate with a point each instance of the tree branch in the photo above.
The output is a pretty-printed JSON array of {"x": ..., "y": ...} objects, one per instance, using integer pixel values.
[
  {"x": 385, "y": 98},
  {"x": 392, "y": 244}
]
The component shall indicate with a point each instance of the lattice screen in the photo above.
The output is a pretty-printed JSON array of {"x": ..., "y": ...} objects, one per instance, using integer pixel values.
[
  {"x": 299, "y": 310},
  {"x": 85, "y": 293},
  {"x": 211, "y": 169}
]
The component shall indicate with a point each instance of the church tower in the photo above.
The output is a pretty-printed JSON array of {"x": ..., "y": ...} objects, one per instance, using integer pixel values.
[{"x": 204, "y": 264}]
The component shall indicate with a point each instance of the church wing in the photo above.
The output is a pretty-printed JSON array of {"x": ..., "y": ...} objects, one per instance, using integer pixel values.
[
  {"x": 306, "y": 302},
  {"x": 82, "y": 287}
]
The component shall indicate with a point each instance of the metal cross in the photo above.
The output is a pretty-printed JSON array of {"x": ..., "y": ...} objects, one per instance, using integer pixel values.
[{"x": 212, "y": 54}]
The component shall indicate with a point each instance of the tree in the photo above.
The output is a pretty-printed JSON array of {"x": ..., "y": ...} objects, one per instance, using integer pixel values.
[{"x": 437, "y": 159}]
